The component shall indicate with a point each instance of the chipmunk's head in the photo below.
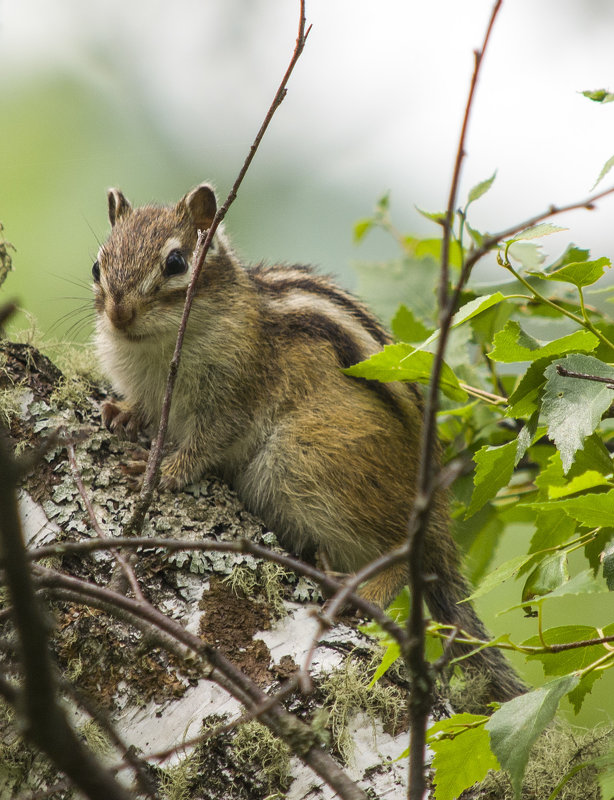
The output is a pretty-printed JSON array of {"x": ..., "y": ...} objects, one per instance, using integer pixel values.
[{"x": 143, "y": 269}]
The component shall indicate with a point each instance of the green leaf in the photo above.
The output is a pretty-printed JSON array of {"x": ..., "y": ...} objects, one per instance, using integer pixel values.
[
  {"x": 551, "y": 530},
  {"x": 391, "y": 654},
  {"x": 361, "y": 228},
  {"x": 480, "y": 189},
  {"x": 502, "y": 573},
  {"x": 462, "y": 754},
  {"x": 435, "y": 216},
  {"x": 579, "y": 273},
  {"x": 401, "y": 362},
  {"x": 516, "y": 725},
  {"x": 582, "y": 583},
  {"x": 536, "y": 231},
  {"x": 407, "y": 328},
  {"x": 605, "y": 776},
  {"x": 608, "y": 565},
  {"x": 590, "y": 479},
  {"x": 494, "y": 468},
  {"x": 572, "y": 407},
  {"x": 571, "y": 254},
  {"x": 513, "y": 344},
  {"x": 529, "y": 254},
  {"x": 468, "y": 311},
  {"x": 594, "y": 457},
  {"x": 599, "y": 95},
  {"x": 575, "y": 659},
  {"x": 604, "y": 171},
  {"x": 550, "y": 573},
  {"x": 567, "y": 661},
  {"x": 477, "y": 237},
  {"x": 524, "y": 400}
]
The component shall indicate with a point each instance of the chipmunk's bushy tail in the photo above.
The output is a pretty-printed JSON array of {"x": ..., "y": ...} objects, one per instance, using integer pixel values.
[{"x": 443, "y": 597}]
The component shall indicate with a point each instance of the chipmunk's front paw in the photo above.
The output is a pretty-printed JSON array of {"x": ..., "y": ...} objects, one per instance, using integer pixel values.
[{"x": 120, "y": 419}]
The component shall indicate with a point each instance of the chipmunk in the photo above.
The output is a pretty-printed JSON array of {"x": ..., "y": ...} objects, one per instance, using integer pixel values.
[{"x": 327, "y": 461}]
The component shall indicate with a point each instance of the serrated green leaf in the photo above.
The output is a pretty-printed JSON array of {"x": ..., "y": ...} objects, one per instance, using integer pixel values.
[
  {"x": 578, "y": 273},
  {"x": 435, "y": 216},
  {"x": 431, "y": 248},
  {"x": 502, "y": 573},
  {"x": 494, "y": 468},
  {"x": 598, "y": 95},
  {"x": 480, "y": 189},
  {"x": 536, "y": 231},
  {"x": 407, "y": 328},
  {"x": 572, "y": 407},
  {"x": 551, "y": 530},
  {"x": 576, "y": 696},
  {"x": 513, "y": 344},
  {"x": 462, "y": 754},
  {"x": 477, "y": 237},
  {"x": 595, "y": 510},
  {"x": 608, "y": 566},
  {"x": 391, "y": 654},
  {"x": 604, "y": 171},
  {"x": 590, "y": 479},
  {"x": 550, "y": 573},
  {"x": 571, "y": 255},
  {"x": 468, "y": 311},
  {"x": 361, "y": 228},
  {"x": 402, "y": 362},
  {"x": 582, "y": 583},
  {"x": 529, "y": 254},
  {"x": 516, "y": 725},
  {"x": 524, "y": 400},
  {"x": 594, "y": 457},
  {"x": 575, "y": 659}
]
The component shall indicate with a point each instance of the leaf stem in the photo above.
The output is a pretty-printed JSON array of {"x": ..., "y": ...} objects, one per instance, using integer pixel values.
[{"x": 583, "y": 321}]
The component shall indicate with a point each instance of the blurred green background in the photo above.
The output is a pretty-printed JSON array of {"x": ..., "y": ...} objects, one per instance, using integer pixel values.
[{"x": 155, "y": 97}]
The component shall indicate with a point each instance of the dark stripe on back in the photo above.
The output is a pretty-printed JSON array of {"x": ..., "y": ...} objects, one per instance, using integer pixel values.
[
  {"x": 313, "y": 325},
  {"x": 315, "y": 286}
]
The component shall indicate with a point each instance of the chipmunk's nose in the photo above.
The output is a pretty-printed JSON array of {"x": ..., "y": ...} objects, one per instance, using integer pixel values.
[{"x": 121, "y": 314}]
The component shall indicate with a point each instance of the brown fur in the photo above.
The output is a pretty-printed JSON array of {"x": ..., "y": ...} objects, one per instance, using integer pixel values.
[{"x": 327, "y": 461}]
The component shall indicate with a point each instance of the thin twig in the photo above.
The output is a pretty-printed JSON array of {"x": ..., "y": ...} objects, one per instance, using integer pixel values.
[
  {"x": 327, "y": 583},
  {"x": 568, "y": 373},
  {"x": 123, "y": 563},
  {"x": 421, "y": 677},
  {"x": 42, "y": 719},
  {"x": 203, "y": 244},
  {"x": 301, "y": 740}
]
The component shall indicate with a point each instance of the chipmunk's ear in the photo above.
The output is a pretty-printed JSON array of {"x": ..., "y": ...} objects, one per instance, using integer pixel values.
[
  {"x": 118, "y": 205},
  {"x": 201, "y": 205}
]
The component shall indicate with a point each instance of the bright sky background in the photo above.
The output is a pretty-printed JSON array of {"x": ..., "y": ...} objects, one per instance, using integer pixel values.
[{"x": 375, "y": 104}]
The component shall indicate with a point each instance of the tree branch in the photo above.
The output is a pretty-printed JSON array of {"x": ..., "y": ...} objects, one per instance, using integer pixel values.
[
  {"x": 420, "y": 673},
  {"x": 203, "y": 244}
]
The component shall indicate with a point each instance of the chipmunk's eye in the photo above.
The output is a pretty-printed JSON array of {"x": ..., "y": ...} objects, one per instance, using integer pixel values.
[
  {"x": 96, "y": 272},
  {"x": 175, "y": 264}
]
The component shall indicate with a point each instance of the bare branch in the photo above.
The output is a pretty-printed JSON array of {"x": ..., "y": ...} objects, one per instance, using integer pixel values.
[
  {"x": 327, "y": 583},
  {"x": 568, "y": 373},
  {"x": 299, "y": 737},
  {"x": 123, "y": 563},
  {"x": 419, "y": 671},
  {"x": 42, "y": 718},
  {"x": 202, "y": 247}
]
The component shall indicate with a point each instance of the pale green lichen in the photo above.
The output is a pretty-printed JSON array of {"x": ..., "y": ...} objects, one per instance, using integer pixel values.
[
  {"x": 347, "y": 690},
  {"x": 254, "y": 744},
  {"x": 557, "y": 751},
  {"x": 253, "y": 579},
  {"x": 177, "y": 782}
]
